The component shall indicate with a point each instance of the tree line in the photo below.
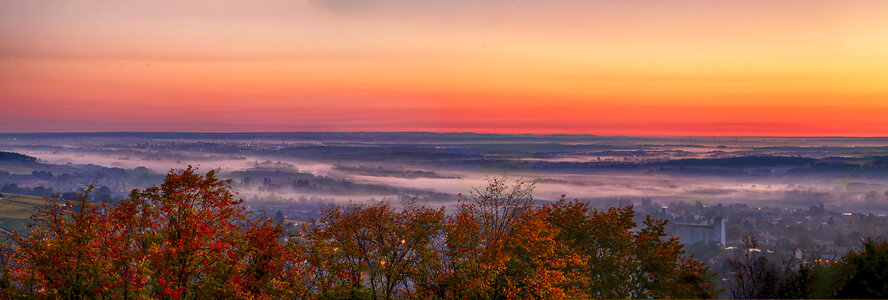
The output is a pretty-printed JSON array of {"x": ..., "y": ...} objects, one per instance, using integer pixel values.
[{"x": 191, "y": 238}]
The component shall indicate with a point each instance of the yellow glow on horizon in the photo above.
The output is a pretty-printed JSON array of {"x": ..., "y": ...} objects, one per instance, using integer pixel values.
[{"x": 779, "y": 67}]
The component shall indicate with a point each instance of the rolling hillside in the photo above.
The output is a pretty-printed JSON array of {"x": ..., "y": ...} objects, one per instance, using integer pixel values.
[{"x": 16, "y": 210}]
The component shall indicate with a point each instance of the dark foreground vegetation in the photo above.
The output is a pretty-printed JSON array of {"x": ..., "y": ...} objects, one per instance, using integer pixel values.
[
  {"x": 190, "y": 238},
  {"x": 859, "y": 274}
]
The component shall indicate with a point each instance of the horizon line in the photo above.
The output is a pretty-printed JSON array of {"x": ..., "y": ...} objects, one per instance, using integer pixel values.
[{"x": 438, "y": 132}]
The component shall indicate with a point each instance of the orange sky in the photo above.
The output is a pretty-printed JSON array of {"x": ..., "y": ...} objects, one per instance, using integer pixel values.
[{"x": 809, "y": 68}]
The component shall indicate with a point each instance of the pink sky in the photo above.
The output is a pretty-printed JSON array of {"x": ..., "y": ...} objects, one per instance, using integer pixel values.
[{"x": 597, "y": 67}]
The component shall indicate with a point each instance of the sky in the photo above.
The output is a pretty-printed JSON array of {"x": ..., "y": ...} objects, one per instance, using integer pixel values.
[{"x": 680, "y": 67}]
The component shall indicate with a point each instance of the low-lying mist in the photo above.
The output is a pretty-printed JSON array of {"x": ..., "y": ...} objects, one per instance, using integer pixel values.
[{"x": 847, "y": 173}]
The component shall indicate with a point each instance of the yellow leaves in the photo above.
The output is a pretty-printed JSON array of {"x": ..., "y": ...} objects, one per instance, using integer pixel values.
[
  {"x": 496, "y": 245},
  {"x": 604, "y": 258}
]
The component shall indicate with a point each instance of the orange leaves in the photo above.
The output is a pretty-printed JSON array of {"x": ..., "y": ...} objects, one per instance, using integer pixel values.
[
  {"x": 187, "y": 237},
  {"x": 500, "y": 245},
  {"x": 373, "y": 246},
  {"x": 191, "y": 238},
  {"x": 617, "y": 259}
]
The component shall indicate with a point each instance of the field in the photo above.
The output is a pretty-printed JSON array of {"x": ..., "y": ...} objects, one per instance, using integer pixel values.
[{"x": 16, "y": 210}]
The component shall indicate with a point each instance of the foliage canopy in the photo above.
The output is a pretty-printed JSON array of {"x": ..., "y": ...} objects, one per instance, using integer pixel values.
[{"x": 191, "y": 238}]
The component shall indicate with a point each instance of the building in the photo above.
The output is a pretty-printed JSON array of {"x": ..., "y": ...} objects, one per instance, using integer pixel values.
[{"x": 688, "y": 234}]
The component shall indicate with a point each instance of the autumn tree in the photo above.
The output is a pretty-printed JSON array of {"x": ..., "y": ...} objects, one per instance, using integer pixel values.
[
  {"x": 191, "y": 238},
  {"x": 188, "y": 237},
  {"x": 499, "y": 245},
  {"x": 372, "y": 250},
  {"x": 63, "y": 254},
  {"x": 608, "y": 256},
  {"x": 270, "y": 268}
]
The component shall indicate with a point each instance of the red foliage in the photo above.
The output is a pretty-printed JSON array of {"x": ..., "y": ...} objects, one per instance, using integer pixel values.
[
  {"x": 190, "y": 238},
  {"x": 185, "y": 238}
]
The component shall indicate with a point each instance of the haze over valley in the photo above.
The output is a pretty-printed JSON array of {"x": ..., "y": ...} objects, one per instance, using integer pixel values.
[{"x": 848, "y": 174}]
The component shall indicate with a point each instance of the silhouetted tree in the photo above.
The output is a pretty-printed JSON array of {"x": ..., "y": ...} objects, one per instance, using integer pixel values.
[
  {"x": 754, "y": 276},
  {"x": 798, "y": 284}
]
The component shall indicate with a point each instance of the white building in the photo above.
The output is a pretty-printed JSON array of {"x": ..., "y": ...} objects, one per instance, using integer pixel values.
[{"x": 688, "y": 234}]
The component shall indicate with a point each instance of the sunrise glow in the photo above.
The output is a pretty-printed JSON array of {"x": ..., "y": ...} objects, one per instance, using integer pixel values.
[{"x": 781, "y": 68}]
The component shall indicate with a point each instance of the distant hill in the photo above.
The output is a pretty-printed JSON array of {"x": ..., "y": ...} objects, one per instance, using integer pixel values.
[{"x": 12, "y": 156}]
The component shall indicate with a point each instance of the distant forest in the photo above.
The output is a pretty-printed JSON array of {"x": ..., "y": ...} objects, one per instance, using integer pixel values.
[{"x": 12, "y": 156}]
